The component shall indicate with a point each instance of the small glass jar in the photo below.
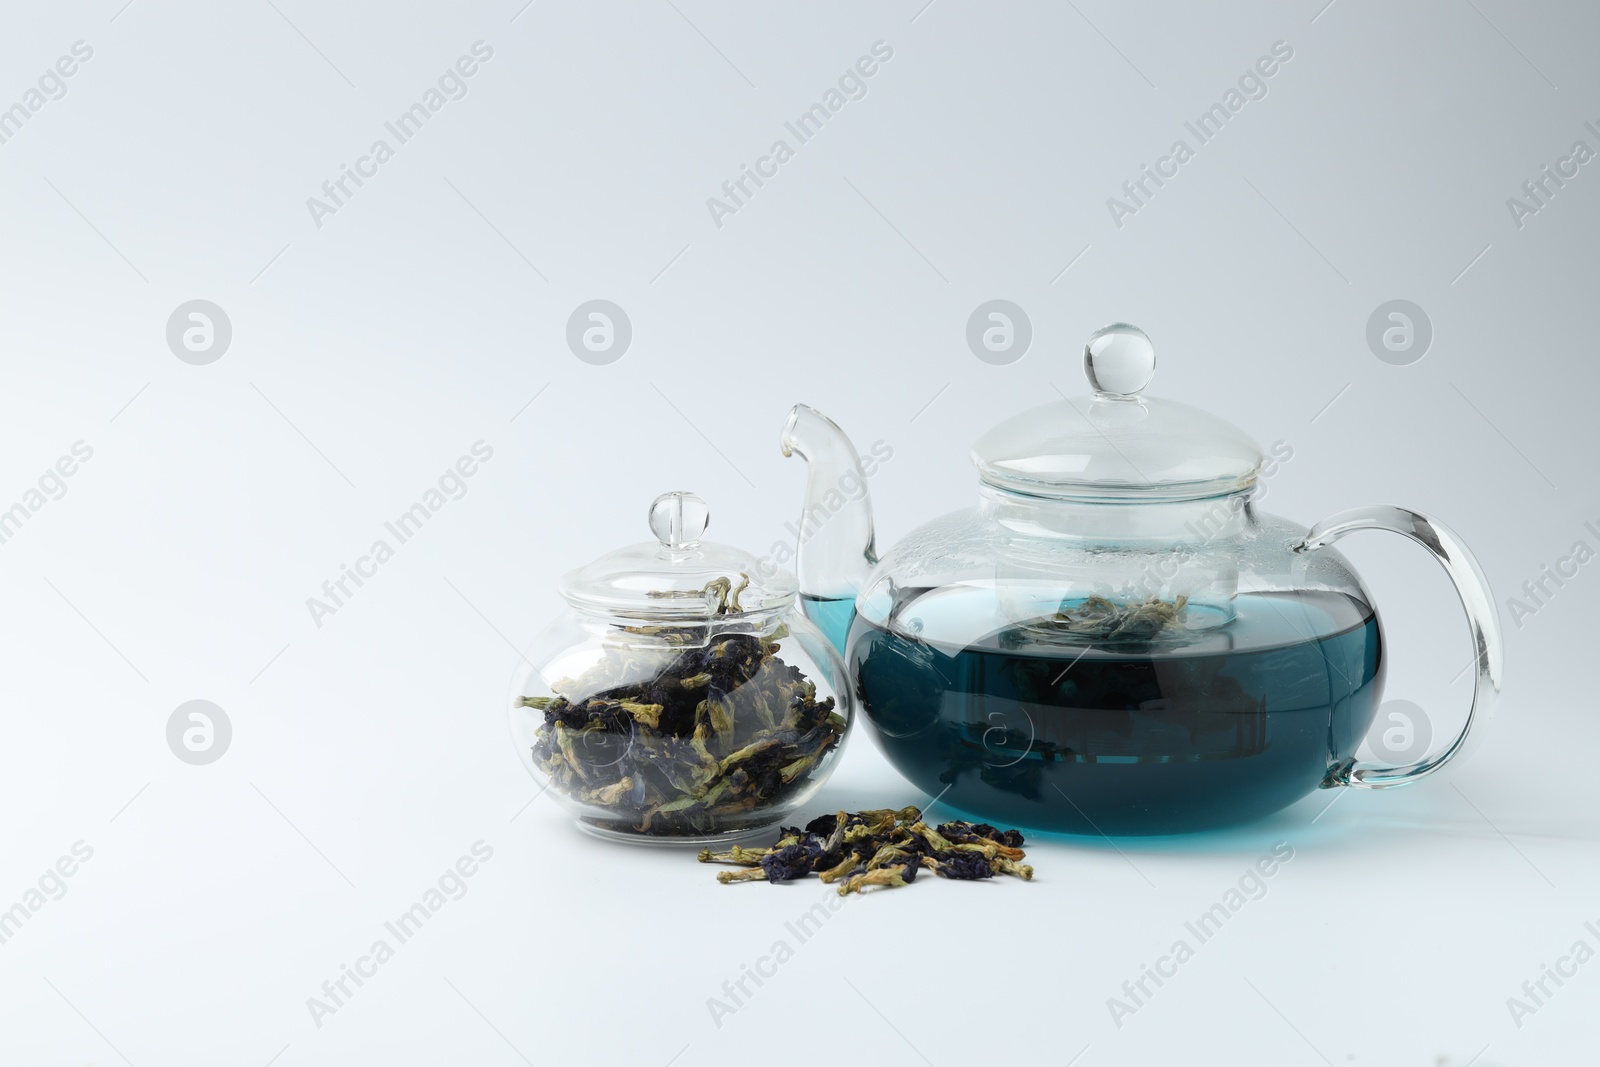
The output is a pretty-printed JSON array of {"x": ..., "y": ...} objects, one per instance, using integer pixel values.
[{"x": 682, "y": 697}]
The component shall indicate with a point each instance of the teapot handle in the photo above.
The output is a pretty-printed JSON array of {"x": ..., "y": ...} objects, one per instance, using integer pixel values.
[{"x": 1471, "y": 586}]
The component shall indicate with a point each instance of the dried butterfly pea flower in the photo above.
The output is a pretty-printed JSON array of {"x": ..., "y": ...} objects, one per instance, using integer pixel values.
[
  {"x": 1002, "y": 865},
  {"x": 790, "y": 862},
  {"x": 1010, "y": 838},
  {"x": 702, "y": 734},
  {"x": 883, "y": 848},
  {"x": 891, "y": 877},
  {"x": 851, "y": 862},
  {"x": 962, "y": 866},
  {"x": 747, "y": 857}
]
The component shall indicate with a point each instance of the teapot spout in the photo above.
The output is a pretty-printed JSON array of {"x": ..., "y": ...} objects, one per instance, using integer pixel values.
[{"x": 836, "y": 550}]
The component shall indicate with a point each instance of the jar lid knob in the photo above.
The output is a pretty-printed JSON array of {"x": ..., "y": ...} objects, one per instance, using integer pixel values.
[
  {"x": 678, "y": 519},
  {"x": 1119, "y": 360}
]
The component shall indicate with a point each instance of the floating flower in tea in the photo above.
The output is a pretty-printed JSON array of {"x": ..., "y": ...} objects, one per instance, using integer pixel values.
[{"x": 1099, "y": 619}]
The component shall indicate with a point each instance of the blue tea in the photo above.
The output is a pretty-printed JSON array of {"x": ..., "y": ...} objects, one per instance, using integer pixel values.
[
  {"x": 1098, "y": 736},
  {"x": 832, "y": 615}
]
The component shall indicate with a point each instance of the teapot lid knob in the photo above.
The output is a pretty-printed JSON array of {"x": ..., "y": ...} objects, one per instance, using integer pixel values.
[
  {"x": 678, "y": 519},
  {"x": 1119, "y": 360}
]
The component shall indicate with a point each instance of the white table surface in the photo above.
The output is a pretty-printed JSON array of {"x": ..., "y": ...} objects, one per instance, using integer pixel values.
[{"x": 369, "y": 753}]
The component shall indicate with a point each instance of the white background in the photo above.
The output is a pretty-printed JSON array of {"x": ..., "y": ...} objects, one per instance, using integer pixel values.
[{"x": 368, "y": 754}]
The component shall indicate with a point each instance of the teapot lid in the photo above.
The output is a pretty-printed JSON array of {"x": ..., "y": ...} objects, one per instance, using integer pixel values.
[
  {"x": 678, "y": 576},
  {"x": 1118, "y": 445}
]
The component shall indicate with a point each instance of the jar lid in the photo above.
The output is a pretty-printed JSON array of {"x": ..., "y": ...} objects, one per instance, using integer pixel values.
[
  {"x": 679, "y": 576},
  {"x": 1118, "y": 445}
]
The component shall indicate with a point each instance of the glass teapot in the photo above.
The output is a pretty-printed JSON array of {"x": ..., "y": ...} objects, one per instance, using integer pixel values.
[{"x": 1114, "y": 640}]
